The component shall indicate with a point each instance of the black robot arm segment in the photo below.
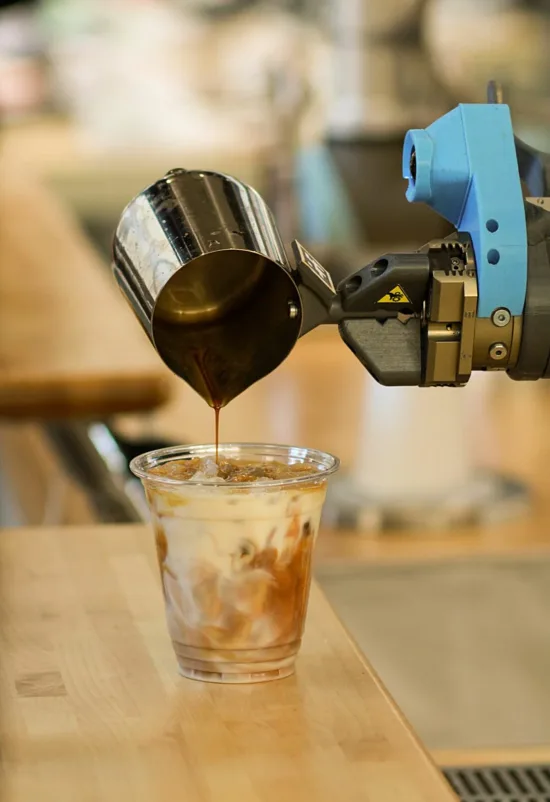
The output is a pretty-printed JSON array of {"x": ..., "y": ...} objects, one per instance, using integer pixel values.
[
  {"x": 410, "y": 318},
  {"x": 392, "y": 290},
  {"x": 534, "y": 353},
  {"x": 534, "y": 169}
]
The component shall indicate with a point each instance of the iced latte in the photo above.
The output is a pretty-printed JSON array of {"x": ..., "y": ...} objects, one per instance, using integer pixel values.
[{"x": 234, "y": 544}]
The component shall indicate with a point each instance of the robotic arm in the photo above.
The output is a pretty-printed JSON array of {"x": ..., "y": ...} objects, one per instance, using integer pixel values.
[
  {"x": 479, "y": 299},
  {"x": 199, "y": 257}
]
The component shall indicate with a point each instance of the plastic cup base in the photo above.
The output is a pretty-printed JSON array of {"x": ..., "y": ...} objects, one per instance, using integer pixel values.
[
  {"x": 236, "y": 666},
  {"x": 228, "y": 678}
]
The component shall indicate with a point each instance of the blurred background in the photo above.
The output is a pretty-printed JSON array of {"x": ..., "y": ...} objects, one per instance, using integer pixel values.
[{"x": 308, "y": 101}]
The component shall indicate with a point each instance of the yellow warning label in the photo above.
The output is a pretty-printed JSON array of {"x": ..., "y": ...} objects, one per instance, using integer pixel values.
[{"x": 395, "y": 296}]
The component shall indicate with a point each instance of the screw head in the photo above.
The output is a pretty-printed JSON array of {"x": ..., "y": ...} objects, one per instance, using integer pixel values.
[
  {"x": 501, "y": 317},
  {"x": 498, "y": 351},
  {"x": 293, "y": 310},
  {"x": 174, "y": 172}
]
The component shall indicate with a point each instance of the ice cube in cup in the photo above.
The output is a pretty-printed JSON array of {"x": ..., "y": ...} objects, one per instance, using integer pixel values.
[{"x": 234, "y": 545}]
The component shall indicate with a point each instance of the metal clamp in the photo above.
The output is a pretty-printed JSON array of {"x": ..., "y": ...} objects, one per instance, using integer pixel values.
[{"x": 451, "y": 319}]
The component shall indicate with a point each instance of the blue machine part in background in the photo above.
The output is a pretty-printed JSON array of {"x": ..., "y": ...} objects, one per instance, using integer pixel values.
[{"x": 467, "y": 171}]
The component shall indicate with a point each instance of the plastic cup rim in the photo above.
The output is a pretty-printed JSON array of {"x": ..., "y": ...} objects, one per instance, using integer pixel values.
[{"x": 326, "y": 464}]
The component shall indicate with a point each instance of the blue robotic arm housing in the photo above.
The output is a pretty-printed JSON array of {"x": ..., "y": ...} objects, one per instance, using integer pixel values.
[{"x": 465, "y": 167}]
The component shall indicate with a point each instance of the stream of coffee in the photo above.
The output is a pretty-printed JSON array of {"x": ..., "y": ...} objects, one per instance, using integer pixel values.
[
  {"x": 217, "y": 409},
  {"x": 200, "y": 359}
]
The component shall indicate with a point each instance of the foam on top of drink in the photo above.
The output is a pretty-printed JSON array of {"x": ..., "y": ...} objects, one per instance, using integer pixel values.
[{"x": 231, "y": 471}]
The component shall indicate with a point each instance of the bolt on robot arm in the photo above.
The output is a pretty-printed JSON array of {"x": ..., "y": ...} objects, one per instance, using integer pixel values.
[{"x": 199, "y": 257}]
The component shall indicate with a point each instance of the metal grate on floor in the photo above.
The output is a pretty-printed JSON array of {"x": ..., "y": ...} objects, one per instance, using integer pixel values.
[{"x": 501, "y": 783}]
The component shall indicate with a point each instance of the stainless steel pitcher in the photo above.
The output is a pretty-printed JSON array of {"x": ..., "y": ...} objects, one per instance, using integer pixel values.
[{"x": 200, "y": 260}]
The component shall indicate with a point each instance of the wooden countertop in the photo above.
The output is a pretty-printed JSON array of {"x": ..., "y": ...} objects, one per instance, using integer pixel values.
[
  {"x": 93, "y": 709},
  {"x": 68, "y": 343}
]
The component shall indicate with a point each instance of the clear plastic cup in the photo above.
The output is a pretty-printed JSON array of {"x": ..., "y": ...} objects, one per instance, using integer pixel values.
[{"x": 235, "y": 559}]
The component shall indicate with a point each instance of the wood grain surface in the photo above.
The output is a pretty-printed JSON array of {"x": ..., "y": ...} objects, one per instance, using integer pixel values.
[
  {"x": 93, "y": 709},
  {"x": 68, "y": 343}
]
